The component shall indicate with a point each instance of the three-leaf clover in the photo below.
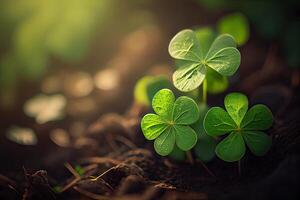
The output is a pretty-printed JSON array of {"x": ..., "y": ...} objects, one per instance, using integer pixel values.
[
  {"x": 195, "y": 57},
  {"x": 244, "y": 127},
  {"x": 170, "y": 124}
]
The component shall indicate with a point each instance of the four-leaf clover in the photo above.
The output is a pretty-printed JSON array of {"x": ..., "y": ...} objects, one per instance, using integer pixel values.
[
  {"x": 171, "y": 123},
  {"x": 244, "y": 127},
  {"x": 194, "y": 57}
]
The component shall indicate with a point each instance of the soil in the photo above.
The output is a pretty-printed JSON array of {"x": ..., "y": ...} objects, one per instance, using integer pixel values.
[{"x": 120, "y": 164}]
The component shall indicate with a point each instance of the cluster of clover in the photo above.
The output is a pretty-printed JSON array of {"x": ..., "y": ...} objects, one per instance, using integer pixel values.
[{"x": 181, "y": 125}]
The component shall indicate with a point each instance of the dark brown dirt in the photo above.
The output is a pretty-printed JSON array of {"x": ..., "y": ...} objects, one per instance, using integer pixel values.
[{"x": 119, "y": 164}]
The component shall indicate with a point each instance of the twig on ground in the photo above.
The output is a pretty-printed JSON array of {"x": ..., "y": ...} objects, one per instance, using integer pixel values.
[
  {"x": 72, "y": 170},
  {"x": 99, "y": 160}
]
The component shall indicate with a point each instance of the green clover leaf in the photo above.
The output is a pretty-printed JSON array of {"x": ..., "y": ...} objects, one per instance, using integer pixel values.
[
  {"x": 235, "y": 24},
  {"x": 171, "y": 123},
  {"x": 216, "y": 83},
  {"x": 177, "y": 154},
  {"x": 205, "y": 147},
  {"x": 194, "y": 58},
  {"x": 243, "y": 126}
]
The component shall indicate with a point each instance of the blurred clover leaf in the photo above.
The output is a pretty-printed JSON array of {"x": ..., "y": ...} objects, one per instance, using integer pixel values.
[
  {"x": 205, "y": 146},
  {"x": 237, "y": 25},
  {"x": 157, "y": 83},
  {"x": 148, "y": 86},
  {"x": 244, "y": 127},
  {"x": 216, "y": 83},
  {"x": 194, "y": 57},
  {"x": 177, "y": 154},
  {"x": 171, "y": 123}
]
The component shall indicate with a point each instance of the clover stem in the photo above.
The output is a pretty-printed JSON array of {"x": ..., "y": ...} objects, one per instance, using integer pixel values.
[
  {"x": 204, "y": 91},
  {"x": 190, "y": 157}
]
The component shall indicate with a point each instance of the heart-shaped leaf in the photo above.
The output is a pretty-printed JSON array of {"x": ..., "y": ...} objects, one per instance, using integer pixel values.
[
  {"x": 185, "y": 111},
  {"x": 259, "y": 117},
  {"x": 163, "y": 103},
  {"x": 226, "y": 61},
  {"x": 221, "y": 42},
  {"x": 186, "y": 137},
  {"x": 236, "y": 105},
  {"x": 232, "y": 148},
  {"x": 258, "y": 142},
  {"x": 223, "y": 56},
  {"x": 153, "y": 125},
  {"x": 189, "y": 76},
  {"x": 185, "y": 46},
  {"x": 164, "y": 144},
  {"x": 218, "y": 122}
]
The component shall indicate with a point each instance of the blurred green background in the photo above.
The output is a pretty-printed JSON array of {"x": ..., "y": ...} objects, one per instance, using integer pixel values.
[{"x": 54, "y": 38}]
